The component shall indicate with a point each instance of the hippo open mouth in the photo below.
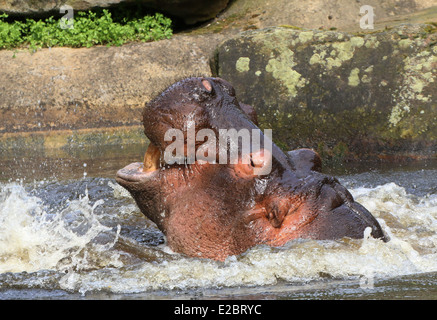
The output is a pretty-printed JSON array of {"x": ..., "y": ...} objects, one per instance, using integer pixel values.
[
  {"x": 212, "y": 209},
  {"x": 138, "y": 172}
]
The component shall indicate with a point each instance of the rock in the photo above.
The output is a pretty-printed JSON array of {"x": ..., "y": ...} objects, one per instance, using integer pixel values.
[
  {"x": 191, "y": 11},
  {"x": 348, "y": 95},
  {"x": 65, "y": 88},
  {"x": 340, "y": 14}
]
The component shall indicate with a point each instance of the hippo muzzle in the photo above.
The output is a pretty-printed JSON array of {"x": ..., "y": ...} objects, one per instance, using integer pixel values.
[{"x": 212, "y": 209}]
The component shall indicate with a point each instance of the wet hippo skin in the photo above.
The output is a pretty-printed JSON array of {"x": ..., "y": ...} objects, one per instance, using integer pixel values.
[{"x": 213, "y": 210}]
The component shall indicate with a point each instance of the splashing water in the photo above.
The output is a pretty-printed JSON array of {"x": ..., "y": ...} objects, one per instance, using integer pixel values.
[
  {"x": 84, "y": 249},
  {"x": 33, "y": 237},
  {"x": 409, "y": 221}
]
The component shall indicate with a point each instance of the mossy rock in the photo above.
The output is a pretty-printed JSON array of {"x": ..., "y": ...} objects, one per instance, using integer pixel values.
[{"x": 353, "y": 95}]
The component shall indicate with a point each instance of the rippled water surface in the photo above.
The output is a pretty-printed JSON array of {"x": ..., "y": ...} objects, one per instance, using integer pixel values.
[{"x": 67, "y": 230}]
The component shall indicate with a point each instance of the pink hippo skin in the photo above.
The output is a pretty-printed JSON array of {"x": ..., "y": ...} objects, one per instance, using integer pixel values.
[{"x": 215, "y": 210}]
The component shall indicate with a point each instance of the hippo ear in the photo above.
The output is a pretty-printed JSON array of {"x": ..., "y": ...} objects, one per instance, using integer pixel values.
[
  {"x": 207, "y": 85},
  {"x": 305, "y": 160}
]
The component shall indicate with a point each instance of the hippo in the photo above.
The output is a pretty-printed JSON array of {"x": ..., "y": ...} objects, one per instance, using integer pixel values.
[{"x": 213, "y": 210}]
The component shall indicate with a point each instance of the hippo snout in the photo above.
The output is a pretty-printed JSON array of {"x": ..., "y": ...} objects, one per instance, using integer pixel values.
[{"x": 316, "y": 207}]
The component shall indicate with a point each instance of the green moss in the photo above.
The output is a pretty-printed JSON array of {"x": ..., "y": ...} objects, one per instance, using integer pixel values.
[
  {"x": 431, "y": 27},
  {"x": 340, "y": 151},
  {"x": 287, "y": 26}
]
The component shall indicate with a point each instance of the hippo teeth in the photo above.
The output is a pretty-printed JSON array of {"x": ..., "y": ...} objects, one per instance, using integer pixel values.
[{"x": 151, "y": 158}]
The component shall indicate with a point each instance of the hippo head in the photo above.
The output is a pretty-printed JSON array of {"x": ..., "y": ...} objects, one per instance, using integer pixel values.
[{"x": 214, "y": 208}]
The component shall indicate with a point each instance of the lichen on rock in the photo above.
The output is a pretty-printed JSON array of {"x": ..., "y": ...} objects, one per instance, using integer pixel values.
[
  {"x": 354, "y": 78},
  {"x": 282, "y": 70},
  {"x": 242, "y": 64},
  {"x": 374, "y": 92}
]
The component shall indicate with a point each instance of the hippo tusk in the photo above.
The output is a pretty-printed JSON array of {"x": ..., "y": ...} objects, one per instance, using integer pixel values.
[{"x": 151, "y": 158}]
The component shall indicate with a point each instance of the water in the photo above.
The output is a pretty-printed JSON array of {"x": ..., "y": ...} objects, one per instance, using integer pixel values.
[{"x": 68, "y": 231}]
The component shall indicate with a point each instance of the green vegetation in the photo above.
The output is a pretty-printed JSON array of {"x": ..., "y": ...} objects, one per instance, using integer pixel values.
[{"x": 88, "y": 29}]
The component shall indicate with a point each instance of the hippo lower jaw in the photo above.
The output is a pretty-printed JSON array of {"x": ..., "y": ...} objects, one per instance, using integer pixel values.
[
  {"x": 132, "y": 172},
  {"x": 133, "y": 177}
]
